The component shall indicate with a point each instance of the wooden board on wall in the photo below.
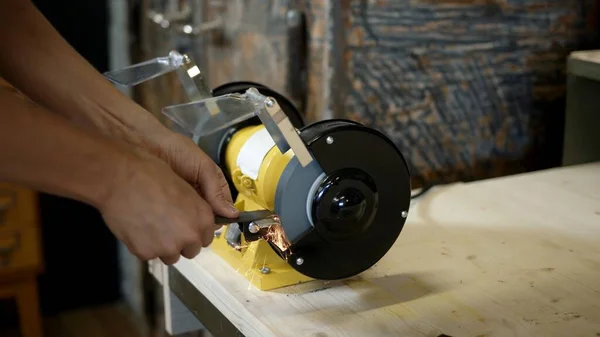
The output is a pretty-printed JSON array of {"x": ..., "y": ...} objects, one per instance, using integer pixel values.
[
  {"x": 466, "y": 89},
  {"x": 251, "y": 45},
  {"x": 258, "y": 44}
]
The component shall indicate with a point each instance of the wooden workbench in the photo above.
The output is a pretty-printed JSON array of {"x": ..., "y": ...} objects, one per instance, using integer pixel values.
[{"x": 515, "y": 256}]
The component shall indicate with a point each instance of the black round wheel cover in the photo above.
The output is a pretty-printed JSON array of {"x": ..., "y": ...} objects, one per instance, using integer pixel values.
[{"x": 355, "y": 146}]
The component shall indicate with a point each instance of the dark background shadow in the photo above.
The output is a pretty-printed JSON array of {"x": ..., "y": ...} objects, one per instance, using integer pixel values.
[{"x": 80, "y": 253}]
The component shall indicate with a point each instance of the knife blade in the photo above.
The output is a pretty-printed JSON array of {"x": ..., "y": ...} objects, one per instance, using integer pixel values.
[{"x": 249, "y": 216}]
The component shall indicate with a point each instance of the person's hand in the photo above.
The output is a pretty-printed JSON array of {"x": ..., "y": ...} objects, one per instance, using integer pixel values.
[
  {"x": 198, "y": 169},
  {"x": 156, "y": 213}
]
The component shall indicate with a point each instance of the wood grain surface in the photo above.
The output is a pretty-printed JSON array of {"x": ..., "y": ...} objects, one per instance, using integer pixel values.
[
  {"x": 253, "y": 46},
  {"x": 467, "y": 89},
  {"x": 513, "y": 256}
]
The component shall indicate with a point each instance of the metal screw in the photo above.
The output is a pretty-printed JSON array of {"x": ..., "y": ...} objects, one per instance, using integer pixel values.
[
  {"x": 269, "y": 102},
  {"x": 329, "y": 140},
  {"x": 293, "y": 18},
  {"x": 157, "y": 18},
  {"x": 188, "y": 29},
  {"x": 265, "y": 270},
  {"x": 253, "y": 228},
  {"x": 404, "y": 214},
  {"x": 299, "y": 261},
  {"x": 217, "y": 234}
]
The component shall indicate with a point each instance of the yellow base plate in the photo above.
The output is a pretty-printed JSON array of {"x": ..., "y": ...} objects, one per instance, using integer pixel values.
[{"x": 258, "y": 263}]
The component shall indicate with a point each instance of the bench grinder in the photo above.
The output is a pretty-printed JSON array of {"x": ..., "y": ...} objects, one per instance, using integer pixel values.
[{"x": 335, "y": 194}]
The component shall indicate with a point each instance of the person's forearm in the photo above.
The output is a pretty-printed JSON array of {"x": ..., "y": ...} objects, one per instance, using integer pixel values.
[
  {"x": 39, "y": 62},
  {"x": 43, "y": 151}
]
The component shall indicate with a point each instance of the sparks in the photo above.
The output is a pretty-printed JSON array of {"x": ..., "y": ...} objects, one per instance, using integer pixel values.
[{"x": 276, "y": 236}]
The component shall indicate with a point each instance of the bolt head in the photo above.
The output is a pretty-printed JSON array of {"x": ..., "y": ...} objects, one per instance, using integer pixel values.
[
  {"x": 269, "y": 102},
  {"x": 253, "y": 228},
  {"x": 265, "y": 270},
  {"x": 329, "y": 140},
  {"x": 299, "y": 261},
  {"x": 246, "y": 182},
  {"x": 157, "y": 18},
  {"x": 404, "y": 214}
]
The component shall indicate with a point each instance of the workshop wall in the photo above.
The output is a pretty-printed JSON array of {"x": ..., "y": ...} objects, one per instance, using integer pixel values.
[{"x": 466, "y": 89}]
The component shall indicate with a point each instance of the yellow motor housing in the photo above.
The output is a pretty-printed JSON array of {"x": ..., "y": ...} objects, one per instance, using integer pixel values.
[
  {"x": 257, "y": 261},
  {"x": 260, "y": 192}
]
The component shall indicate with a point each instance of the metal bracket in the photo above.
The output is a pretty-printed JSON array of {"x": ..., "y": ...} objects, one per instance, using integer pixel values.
[
  {"x": 280, "y": 128},
  {"x": 192, "y": 79},
  {"x": 210, "y": 317},
  {"x": 233, "y": 236}
]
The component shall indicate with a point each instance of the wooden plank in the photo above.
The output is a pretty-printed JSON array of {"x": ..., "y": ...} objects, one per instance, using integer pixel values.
[
  {"x": 253, "y": 46},
  {"x": 20, "y": 251},
  {"x": 317, "y": 29},
  {"x": 585, "y": 64},
  {"x": 592, "y": 56},
  {"x": 512, "y": 256},
  {"x": 18, "y": 207}
]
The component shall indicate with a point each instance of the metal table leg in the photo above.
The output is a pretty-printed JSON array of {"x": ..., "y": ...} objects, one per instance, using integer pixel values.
[{"x": 214, "y": 321}]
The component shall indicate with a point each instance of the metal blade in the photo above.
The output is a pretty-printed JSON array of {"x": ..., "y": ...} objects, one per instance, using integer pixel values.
[{"x": 244, "y": 217}]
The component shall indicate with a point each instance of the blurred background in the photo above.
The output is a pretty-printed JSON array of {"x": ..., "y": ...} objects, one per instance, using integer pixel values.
[{"x": 467, "y": 89}]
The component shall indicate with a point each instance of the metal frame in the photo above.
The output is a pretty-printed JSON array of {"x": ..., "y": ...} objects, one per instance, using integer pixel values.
[{"x": 212, "y": 319}]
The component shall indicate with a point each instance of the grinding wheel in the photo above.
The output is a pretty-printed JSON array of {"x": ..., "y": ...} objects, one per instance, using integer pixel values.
[{"x": 358, "y": 208}]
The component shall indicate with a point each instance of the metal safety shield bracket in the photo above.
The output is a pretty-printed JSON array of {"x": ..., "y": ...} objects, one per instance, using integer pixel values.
[{"x": 279, "y": 126}]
